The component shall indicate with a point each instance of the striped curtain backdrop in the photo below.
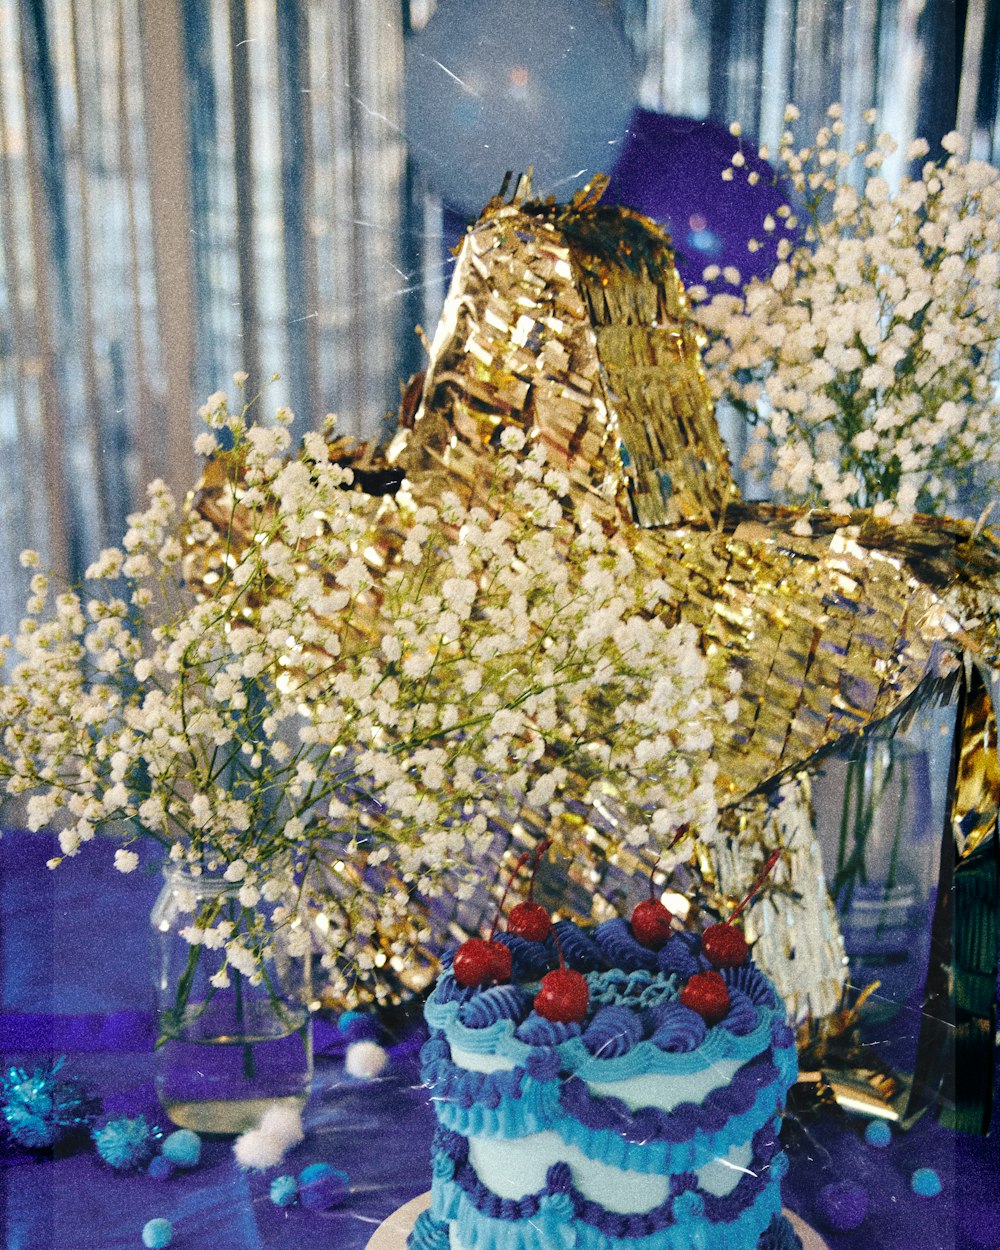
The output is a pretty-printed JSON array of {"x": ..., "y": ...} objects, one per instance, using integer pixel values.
[{"x": 194, "y": 187}]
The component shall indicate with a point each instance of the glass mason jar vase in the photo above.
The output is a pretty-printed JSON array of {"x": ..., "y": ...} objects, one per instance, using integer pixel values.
[
  {"x": 875, "y": 822},
  {"x": 224, "y": 1051}
]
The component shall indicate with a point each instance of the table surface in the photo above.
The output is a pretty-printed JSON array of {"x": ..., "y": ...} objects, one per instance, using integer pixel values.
[{"x": 73, "y": 959}]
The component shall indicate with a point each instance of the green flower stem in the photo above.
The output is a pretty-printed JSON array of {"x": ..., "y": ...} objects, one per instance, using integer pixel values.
[
  {"x": 249, "y": 1064},
  {"x": 175, "y": 1016}
]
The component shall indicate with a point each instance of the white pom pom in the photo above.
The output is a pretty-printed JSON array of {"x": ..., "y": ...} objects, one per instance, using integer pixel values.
[
  {"x": 283, "y": 1124},
  {"x": 280, "y": 1128},
  {"x": 366, "y": 1060},
  {"x": 257, "y": 1150}
]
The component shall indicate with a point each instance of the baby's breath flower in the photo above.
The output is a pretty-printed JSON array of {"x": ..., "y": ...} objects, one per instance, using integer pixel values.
[
  {"x": 126, "y": 861},
  {"x": 206, "y": 444},
  {"x": 244, "y": 728},
  {"x": 869, "y": 362}
]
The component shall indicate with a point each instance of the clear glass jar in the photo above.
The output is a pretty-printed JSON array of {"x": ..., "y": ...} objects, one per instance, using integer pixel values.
[
  {"x": 224, "y": 1052},
  {"x": 876, "y": 824}
]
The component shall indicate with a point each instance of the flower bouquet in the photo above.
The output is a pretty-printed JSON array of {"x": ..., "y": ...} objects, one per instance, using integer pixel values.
[
  {"x": 322, "y": 734},
  {"x": 868, "y": 362},
  {"x": 868, "y": 368}
]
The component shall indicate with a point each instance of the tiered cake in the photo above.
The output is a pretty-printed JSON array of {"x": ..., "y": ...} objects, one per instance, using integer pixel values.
[{"x": 648, "y": 1123}]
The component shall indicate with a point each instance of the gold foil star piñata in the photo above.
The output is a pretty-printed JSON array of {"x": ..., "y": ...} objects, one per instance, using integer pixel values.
[{"x": 571, "y": 323}]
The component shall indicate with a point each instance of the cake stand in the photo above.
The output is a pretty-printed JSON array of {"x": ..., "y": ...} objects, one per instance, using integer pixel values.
[{"x": 392, "y": 1233}]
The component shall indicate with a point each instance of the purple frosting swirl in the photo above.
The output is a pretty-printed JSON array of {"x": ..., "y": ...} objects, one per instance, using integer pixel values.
[
  {"x": 620, "y": 948},
  {"x": 537, "y": 1031},
  {"x": 499, "y": 1002},
  {"x": 559, "y": 1179},
  {"x": 452, "y": 1144},
  {"x": 612, "y": 1032},
  {"x": 543, "y": 1063},
  {"x": 782, "y": 1036},
  {"x": 741, "y": 1019},
  {"x": 580, "y": 950},
  {"x": 529, "y": 960},
  {"x": 682, "y": 955},
  {"x": 448, "y": 990},
  {"x": 749, "y": 978},
  {"x": 676, "y": 1028}
]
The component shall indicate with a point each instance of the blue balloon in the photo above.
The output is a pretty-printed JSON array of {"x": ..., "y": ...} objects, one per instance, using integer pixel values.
[{"x": 497, "y": 85}]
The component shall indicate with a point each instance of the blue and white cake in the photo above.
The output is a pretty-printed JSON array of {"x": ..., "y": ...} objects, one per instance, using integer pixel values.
[{"x": 642, "y": 1127}]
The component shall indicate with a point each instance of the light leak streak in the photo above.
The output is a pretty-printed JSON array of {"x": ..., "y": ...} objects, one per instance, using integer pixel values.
[
  {"x": 453, "y": 76},
  {"x": 727, "y": 1163}
]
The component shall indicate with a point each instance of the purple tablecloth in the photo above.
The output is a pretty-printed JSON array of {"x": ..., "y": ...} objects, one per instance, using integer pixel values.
[{"x": 73, "y": 957}]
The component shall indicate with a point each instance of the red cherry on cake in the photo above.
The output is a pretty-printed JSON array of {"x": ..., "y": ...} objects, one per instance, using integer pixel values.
[
  {"x": 650, "y": 920},
  {"x": 563, "y": 996},
  {"x": 530, "y": 921},
  {"x": 480, "y": 961},
  {"x": 477, "y": 962},
  {"x": 724, "y": 946},
  {"x": 706, "y": 994},
  {"x": 502, "y": 962},
  {"x": 651, "y": 923}
]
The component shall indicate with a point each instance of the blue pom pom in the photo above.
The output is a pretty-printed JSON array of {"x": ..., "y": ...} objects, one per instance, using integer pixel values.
[
  {"x": 322, "y": 1186},
  {"x": 157, "y": 1234},
  {"x": 358, "y": 1026},
  {"x": 123, "y": 1143},
  {"x": 284, "y": 1191},
  {"x": 843, "y": 1205},
  {"x": 42, "y": 1108},
  {"x": 878, "y": 1133},
  {"x": 160, "y": 1168},
  {"x": 926, "y": 1183},
  {"x": 182, "y": 1148}
]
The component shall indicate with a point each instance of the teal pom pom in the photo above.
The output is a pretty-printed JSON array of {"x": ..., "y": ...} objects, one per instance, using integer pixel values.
[
  {"x": 926, "y": 1183},
  {"x": 125, "y": 1144},
  {"x": 322, "y": 1186},
  {"x": 182, "y": 1148},
  {"x": 284, "y": 1191},
  {"x": 878, "y": 1133},
  {"x": 157, "y": 1234},
  {"x": 44, "y": 1107}
]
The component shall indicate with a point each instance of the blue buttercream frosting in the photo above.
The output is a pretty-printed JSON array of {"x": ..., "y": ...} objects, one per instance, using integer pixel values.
[
  {"x": 636, "y": 989},
  {"x": 429, "y": 1233},
  {"x": 448, "y": 989}
]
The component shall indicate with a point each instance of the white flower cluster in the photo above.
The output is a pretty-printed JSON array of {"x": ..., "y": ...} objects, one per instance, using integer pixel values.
[
  {"x": 363, "y": 682},
  {"x": 869, "y": 361}
]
